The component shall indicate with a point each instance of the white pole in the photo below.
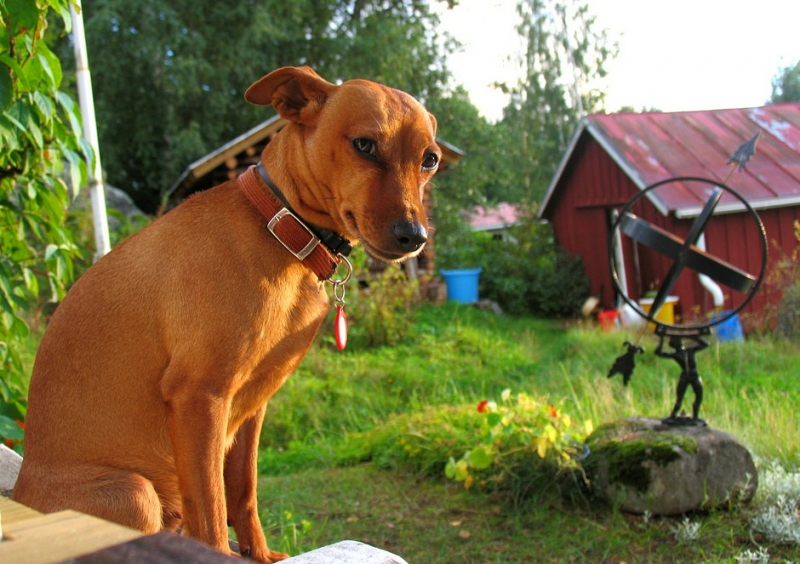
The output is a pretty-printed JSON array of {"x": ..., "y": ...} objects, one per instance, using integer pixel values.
[{"x": 96, "y": 184}]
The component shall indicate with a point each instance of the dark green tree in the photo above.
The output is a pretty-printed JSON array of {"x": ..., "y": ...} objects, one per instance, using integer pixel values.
[
  {"x": 565, "y": 56},
  {"x": 169, "y": 76},
  {"x": 786, "y": 85},
  {"x": 481, "y": 178}
]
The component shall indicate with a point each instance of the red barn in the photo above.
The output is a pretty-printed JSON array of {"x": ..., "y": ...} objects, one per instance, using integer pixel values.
[{"x": 611, "y": 158}]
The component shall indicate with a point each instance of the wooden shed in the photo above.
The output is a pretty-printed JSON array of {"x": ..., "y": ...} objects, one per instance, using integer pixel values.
[
  {"x": 611, "y": 158},
  {"x": 233, "y": 158}
]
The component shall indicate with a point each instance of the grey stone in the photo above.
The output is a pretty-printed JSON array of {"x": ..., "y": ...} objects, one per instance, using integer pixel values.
[{"x": 642, "y": 465}]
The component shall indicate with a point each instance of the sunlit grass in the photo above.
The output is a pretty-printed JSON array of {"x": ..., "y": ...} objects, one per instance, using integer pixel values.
[
  {"x": 458, "y": 355},
  {"x": 410, "y": 407}
]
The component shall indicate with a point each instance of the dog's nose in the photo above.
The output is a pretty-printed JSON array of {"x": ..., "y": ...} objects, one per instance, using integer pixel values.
[{"x": 409, "y": 236}]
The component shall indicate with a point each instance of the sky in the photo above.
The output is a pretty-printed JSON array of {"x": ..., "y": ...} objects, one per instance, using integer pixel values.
[{"x": 674, "y": 55}]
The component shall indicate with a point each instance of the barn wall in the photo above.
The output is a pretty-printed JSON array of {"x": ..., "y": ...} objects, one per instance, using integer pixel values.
[
  {"x": 592, "y": 184},
  {"x": 580, "y": 207}
]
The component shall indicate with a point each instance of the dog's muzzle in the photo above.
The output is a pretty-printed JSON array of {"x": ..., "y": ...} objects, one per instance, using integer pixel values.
[{"x": 409, "y": 236}]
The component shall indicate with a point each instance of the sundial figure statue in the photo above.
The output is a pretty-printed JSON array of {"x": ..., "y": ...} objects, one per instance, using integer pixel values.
[
  {"x": 683, "y": 351},
  {"x": 683, "y": 340}
]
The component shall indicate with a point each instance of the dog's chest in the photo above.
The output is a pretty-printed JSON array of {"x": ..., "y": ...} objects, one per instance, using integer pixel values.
[{"x": 281, "y": 337}]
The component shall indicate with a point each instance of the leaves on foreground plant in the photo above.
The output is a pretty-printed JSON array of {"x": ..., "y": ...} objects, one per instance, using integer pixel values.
[{"x": 520, "y": 431}]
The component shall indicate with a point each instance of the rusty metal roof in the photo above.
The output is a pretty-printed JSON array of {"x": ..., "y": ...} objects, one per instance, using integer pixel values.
[{"x": 655, "y": 146}]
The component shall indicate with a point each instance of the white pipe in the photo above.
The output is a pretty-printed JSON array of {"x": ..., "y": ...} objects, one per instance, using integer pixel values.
[
  {"x": 629, "y": 316},
  {"x": 619, "y": 258},
  {"x": 712, "y": 287},
  {"x": 96, "y": 184}
]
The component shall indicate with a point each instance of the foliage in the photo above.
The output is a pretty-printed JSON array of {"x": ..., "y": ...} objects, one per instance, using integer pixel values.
[
  {"x": 781, "y": 312},
  {"x": 786, "y": 85},
  {"x": 686, "y": 530},
  {"x": 286, "y": 533},
  {"x": 520, "y": 437},
  {"x": 528, "y": 274},
  {"x": 423, "y": 441},
  {"x": 778, "y": 502},
  {"x": 565, "y": 58},
  {"x": 483, "y": 176},
  {"x": 381, "y": 313},
  {"x": 40, "y": 143},
  {"x": 169, "y": 77},
  {"x": 787, "y": 272}
]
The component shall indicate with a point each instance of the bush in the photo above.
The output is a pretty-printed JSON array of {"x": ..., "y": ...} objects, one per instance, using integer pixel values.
[
  {"x": 528, "y": 274},
  {"x": 788, "y": 323},
  {"x": 381, "y": 312},
  {"x": 40, "y": 144},
  {"x": 523, "y": 444},
  {"x": 781, "y": 312}
]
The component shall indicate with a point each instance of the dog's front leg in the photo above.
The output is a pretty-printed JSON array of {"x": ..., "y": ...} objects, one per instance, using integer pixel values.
[
  {"x": 241, "y": 483},
  {"x": 197, "y": 422}
]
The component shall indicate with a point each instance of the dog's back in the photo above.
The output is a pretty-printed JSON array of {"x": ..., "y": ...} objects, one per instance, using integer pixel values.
[{"x": 144, "y": 320}]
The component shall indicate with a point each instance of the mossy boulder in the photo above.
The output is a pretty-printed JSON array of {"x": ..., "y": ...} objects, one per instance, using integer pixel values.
[{"x": 642, "y": 465}]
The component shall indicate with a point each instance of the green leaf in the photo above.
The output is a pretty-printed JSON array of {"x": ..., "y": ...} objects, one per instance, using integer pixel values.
[
  {"x": 16, "y": 70},
  {"x": 494, "y": 419},
  {"x": 76, "y": 169},
  {"x": 24, "y": 15},
  {"x": 50, "y": 251},
  {"x": 5, "y": 38},
  {"x": 10, "y": 430},
  {"x": 62, "y": 8},
  {"x": 480, "y": 458},
  {"x": 50, "y": 65},
  {"x": 450, "y": 468},
  {"x": 5, "y": 87},
  {"x": 35, "y": 131},
  {"x": 31, "y": 282},
  {"x": 33, "y": 72},
  {"x": 73, "y": 113},
  {"x": 45, "y": 105}
]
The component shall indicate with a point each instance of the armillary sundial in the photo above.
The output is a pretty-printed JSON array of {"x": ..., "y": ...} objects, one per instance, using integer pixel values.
[{"x": 684, "y": 339}]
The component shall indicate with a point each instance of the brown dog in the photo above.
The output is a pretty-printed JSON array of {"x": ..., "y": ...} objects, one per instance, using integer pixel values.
[{"x": 152, "y": 380}]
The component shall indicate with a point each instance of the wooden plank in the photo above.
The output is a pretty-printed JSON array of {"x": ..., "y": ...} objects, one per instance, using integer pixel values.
[
  {"x": 13, "y": 512},
  {"x": 59, "y": 536}
]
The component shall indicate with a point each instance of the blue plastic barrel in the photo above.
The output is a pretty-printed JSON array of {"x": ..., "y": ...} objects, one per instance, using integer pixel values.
[
  {"x": 730, "y": 329},
  {"x": 462, "y": 285}
]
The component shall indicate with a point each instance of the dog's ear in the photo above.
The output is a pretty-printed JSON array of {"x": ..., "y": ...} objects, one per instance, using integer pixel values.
[
  {"x": 433, "y": 122},
  {"x": 298, "y": 93}
]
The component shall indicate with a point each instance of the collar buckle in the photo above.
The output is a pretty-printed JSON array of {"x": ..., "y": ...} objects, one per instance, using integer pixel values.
[{"x": 308, "y": 248}]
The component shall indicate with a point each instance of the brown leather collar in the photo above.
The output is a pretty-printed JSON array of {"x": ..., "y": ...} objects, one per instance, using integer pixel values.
[{"x": 287, "y": 228}]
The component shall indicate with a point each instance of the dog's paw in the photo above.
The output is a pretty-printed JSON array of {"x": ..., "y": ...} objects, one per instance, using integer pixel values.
[{"x": 268, "y": 557}]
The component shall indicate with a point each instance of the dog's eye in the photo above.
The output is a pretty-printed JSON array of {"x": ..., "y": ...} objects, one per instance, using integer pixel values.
[
  {"x": 366, "y": 147},
  {"x": 431, "y": 161}
]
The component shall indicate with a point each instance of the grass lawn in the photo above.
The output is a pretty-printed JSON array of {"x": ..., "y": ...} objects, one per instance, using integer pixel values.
[{"x": 334, "y": 465}]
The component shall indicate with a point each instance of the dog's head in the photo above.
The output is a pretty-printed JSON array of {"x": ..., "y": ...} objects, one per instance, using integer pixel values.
[{"x": 364, "y": 155}]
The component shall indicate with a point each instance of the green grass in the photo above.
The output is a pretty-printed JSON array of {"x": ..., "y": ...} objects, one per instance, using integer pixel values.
[{"x": 354, "y": 443}]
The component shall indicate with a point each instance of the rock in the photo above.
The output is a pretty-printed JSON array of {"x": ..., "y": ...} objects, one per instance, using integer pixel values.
[{"x": 642, "y": 465}]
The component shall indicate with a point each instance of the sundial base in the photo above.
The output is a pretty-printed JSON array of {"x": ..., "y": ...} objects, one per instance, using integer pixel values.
[{"x": 684, "y": 421}]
